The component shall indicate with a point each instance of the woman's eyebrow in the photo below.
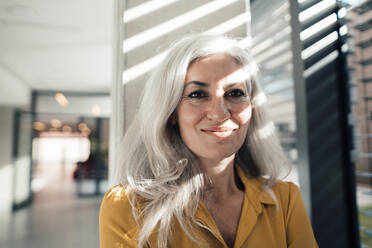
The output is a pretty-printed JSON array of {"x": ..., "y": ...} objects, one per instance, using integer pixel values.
[
  {"x": 233, "y": 84},
  {"x": 202, "y": 84},
  {"x": 230, "y": 85}
]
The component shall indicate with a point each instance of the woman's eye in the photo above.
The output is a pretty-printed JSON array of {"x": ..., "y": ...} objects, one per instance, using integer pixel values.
[
  {"x": 235, "y": 93},
  {"x": 197, "y": 94}
]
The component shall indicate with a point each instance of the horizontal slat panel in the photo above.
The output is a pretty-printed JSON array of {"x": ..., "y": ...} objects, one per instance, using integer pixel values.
[
  {"x": 307, "y": 4},
  {"x": 273, "y": 40},
  {"x": 319, "y": 15},
  {"x": 283, "y": 76},
  {"x": 320, "y": 35},
  {"x": 268, "y": 32},
  {"x": 320, "y": 54},
  {"x": 274, "y": 50},
  {"x": 280, "y": 89}
]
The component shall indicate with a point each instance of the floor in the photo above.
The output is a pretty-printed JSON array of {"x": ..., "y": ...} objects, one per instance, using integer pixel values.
[{"x": 57, "y": 218}]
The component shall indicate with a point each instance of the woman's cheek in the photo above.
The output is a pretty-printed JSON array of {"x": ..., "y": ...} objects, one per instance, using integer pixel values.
[
  {"x": 245, "y": 114},
  {"x": 187, "y": 114}
]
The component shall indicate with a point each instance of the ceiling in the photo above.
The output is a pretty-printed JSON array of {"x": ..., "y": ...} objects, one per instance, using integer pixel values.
[{"x": 54, "y": 45}]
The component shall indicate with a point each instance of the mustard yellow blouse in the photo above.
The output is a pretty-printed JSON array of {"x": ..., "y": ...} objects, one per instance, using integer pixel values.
[{"x": 261, "y": 225}]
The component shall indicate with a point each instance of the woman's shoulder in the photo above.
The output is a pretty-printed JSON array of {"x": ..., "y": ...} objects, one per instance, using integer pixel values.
[
  {"x": 279, "y": 186},
  {"x": 117, "y": 197},
  {"x": 116, "y": 204},
  {"x": 287, "y": 193},
  {"x": 117, "y": 192},
  {"x": 118, "y": 227},
  {"x": 298, "y": 227},
  {"x": 285, "y": 187},
  {"x": 281, "y": 192}
]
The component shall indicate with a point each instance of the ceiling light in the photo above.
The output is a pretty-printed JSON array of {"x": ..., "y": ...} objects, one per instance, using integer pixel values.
[
  {"x": 96, "y": 110},
  {"x": 66, "y": 128},
  {"x": 82, "y": 126},
  {"x": 86, "y": 131},
  {"x": 39, "y": 126},
  {"x": 61, "y": 99},
  {"x": 56, "y": 123}
]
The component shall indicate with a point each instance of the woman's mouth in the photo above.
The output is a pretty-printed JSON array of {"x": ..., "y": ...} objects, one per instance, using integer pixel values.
[{"x": 219, "y": 132}]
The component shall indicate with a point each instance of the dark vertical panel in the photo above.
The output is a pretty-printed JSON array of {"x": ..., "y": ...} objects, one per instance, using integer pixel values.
[
  {"x": 344, "y": 85},
  {"x": 328, "y": 141},
  {"x": 327, "y": 157}
]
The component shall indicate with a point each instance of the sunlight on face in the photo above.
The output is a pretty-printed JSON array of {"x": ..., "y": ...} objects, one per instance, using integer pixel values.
[
  {"x": 215, "y": 110},
  {"x": 240, "y": 75}
]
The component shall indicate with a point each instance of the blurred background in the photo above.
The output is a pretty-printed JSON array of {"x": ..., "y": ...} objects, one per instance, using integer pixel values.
[{"x": 71, "y": 73}]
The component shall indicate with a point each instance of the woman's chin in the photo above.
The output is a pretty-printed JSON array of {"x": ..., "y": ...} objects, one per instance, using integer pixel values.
[{"x": 216, "y": 156}]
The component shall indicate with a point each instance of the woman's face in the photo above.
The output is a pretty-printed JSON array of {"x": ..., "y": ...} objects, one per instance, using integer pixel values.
[{"x": 215, "y": 110}]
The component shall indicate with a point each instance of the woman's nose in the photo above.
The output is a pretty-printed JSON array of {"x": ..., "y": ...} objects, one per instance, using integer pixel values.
[{"x": 218, "y": 110}]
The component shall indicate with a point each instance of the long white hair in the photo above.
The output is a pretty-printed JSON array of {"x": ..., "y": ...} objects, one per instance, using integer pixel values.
[{"x": 158, "y": 169}]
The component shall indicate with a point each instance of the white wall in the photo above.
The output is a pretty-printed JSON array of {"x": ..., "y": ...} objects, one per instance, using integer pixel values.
[
  {"x": 6, "y": 168},
  {"x": 13, "y": 90}
]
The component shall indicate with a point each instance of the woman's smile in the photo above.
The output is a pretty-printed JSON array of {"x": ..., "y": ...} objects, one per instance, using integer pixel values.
[{"x": 219, "y": 132}]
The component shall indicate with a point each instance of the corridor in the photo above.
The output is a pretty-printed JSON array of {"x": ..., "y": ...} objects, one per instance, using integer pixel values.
[{"x": 57, "y": 218}]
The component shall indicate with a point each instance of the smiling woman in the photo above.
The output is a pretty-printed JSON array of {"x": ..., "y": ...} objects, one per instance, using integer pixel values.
[
  {"x": 214, "y": 112},
  {"x": 196, "y": 170}
]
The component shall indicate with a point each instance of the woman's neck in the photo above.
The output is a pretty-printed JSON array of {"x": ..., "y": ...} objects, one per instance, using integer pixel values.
[{"x": 222, "y": 179}]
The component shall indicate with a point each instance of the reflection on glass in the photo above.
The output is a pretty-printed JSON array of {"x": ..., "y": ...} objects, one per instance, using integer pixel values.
[{"x": 361, "y": 75}]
